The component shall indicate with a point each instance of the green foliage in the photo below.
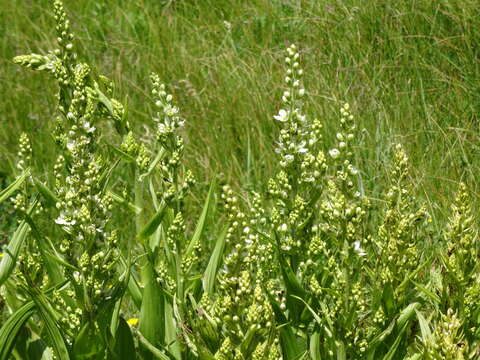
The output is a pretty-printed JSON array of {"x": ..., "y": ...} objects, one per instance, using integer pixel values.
[{"x": 307, "y": 263}]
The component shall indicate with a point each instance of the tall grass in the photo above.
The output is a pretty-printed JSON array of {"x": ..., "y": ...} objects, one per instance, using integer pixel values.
[{"x": 332, "y": 244}]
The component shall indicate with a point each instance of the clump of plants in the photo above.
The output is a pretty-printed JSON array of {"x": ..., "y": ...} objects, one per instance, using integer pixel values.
[{"x": 108, "y": 262}]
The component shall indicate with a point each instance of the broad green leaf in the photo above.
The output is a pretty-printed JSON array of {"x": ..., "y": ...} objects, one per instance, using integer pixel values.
[
  {"x": 153, "y": 224},
  {"x": 407, "y": 314},
  {"x": 157, "y": 353},
  {"x": 430, "y": 294},
  {"x": 46, "y": 313},
  {"x": 210, "y": 273},
  {"x": 9, "y": 258},
  {"x": 171, "y": 334},
  {"x": 288, "y": 341},
  {"x": 123, "y": 155},
  {"x": 393, "y": 349},
  {"x": 12, "y": 327},
  {"x": 14, "y": 186},
  {"x": 315, "y": 346},
  {"x": 201, "y": 222},
  {"x": 151, "y": 322},
  {"x": 388, "y": 299},
  {"x": 88, "y": 344},
  {"x": 383, "y": 335},
  {"x": 135, "y": 292},
  {"x": 294, "y": 290},
  {"x": 424, "y": 328},
  {"x": 49, "y": 196},
  {"x": 160, "y": 155},
  {"x": 124, "y": 344},
  {"x": 341, "y": 351},
  {"x": 38, "y": 349},
  {"x": 122, "y": 201},
  {"x": 49, "y": 258}
]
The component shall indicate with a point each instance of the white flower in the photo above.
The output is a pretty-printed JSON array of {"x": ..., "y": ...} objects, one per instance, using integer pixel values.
[
  {"x": 289, "y": 158},
  {"x": 358, "y": 249},
  {"x": 301, "y": 92},
  {"x": 334, "y": 153},
  {"x": 282, "y": 116},
  {"x": 62, "y": 221},
  {"x": 88, "y": 128}
]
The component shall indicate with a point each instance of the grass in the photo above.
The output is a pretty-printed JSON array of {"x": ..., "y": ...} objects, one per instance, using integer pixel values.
[
  {"x": 410, "y": 70},
  {"x": 410, "y": 74}
]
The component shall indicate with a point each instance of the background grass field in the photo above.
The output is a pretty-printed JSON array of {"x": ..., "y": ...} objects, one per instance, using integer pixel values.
[{"x": 410, "y": 70}]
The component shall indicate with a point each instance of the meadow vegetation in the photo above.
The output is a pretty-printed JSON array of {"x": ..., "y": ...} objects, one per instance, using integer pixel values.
[{"x": 262, "y": 180}]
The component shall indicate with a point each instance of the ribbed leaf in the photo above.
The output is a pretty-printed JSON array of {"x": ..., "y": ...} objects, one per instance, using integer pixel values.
[
  {"x": 171, "y": 335},
  {"x": 46, "y": 313},
  {"x": 7, "y": 264},
  {"x": 151, "y": 322},
  {"x": 14, "y": 186},
  {"x": 201, "y": 221},
  {"x": 153, "y": 224},
  {"x": 49, "y": 196},
  {"x": 88, "y": 344},
  {"x": 315, "y": 346},
  {"x": 124, "y": 344},
  {"x": 424, "y": 328},
  {"x": 214, "y": 263},
  {"x": 11, "y": 328}
]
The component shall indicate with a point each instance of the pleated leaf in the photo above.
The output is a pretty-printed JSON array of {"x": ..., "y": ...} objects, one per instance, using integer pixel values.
[
  {"x": 14, "y": 186},
  {"x": 11, "y": 328}
]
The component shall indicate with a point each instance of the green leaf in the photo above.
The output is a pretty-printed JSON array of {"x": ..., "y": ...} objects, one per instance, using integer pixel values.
[
  {"x": 171, "y": 334},
  {"x": 393, "y": 349},
  {"x": 159, "y": 354},
  {"x": 153, "y": 224},
  {"x": 122, "y": 201},
  {"x": 407, "y": 314},
  {"x": 341, "y": 351},
  {"x": 123, "y": 155},
  {"x": 151, "y": 322},
  {"x": 49, "y": 196},
  {"x": 38, "y": 349},
  {"x": 315, "y": 346},
  {"x": 46, "y": 313},
  {"x": 424, "y": 328},
  {"x": 88, "y": 344},
  {"x": 14, "y": 186},
  {"x": 295, "y": 292},
  {"x": 388, "y": 299},
  {"x": 11, "y": 328},
  {"x": 430, "y": 294},
  {"x": 291, "y": 349},
  {"x": 160, "y": 155},
  {"x": 49, "y": 258},
  {"x": 124, "y": 344},
  {"x": 201, "y": 222},
  {"x": 9, "y": 259},
  {"x": 214, "y": 263}
]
